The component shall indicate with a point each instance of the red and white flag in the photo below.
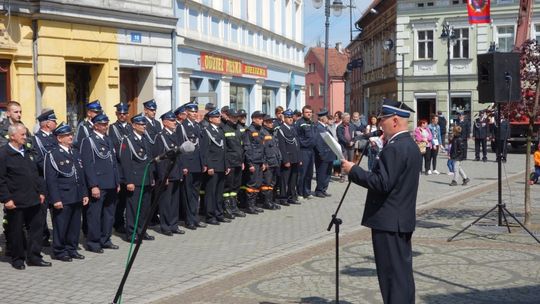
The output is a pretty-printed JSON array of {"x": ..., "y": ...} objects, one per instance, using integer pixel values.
[{"x": 478, "y": 11}]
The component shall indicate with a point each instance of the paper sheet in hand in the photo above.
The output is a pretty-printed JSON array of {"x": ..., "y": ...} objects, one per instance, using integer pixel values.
[{"x": 333, "y": 144}]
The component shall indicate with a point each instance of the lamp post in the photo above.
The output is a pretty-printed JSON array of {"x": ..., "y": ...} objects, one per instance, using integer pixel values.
[
  {"x": 337, "y": 7},
  {"x": 448, "y": 35}
]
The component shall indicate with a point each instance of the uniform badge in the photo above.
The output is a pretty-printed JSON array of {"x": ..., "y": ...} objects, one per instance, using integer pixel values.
[
  {"x": 140, "y": 154},
  {"x": 102, "y": 148},
  {"x": 61, "y": 163},
  {"x": 172, "y": 145},
  {"x": 67, "y": 161}
]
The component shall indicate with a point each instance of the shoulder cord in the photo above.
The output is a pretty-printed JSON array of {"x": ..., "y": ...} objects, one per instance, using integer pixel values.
[
  {"x": 65, "y": 174},
  {"x": 134, "y": 153},
  {"x": 40, "y": 145},
  {"x": 97, "y": 152},
  {"x": 164, "y": 142},
  {"x": 152, "y": 141},
  {"x": 220, "y": 144},
  {"x": 287, "y": 140},
  {"x": 116, "y": 132},
  {"x": 184, "y": 135}
]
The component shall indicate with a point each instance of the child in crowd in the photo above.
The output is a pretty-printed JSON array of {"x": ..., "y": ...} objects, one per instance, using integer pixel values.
[
  {"x": 536, "y": 173},
  {"x": 449, "y": 162},
  {"x": 457, "y": 154}
]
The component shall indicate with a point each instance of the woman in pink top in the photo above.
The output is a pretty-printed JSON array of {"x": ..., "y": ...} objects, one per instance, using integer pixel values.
[{"x": 423, "y": 137}]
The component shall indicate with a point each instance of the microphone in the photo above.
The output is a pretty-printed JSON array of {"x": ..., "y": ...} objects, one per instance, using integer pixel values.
[{"x": 186, "y": 147}]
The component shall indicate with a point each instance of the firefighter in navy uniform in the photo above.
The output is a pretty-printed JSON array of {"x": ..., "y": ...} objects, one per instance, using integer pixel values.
[
  {"x": 235, "y": 162},
  {"x": 153, "y": 127},
  {"x": 272, "y": 161},
  {"x": 44, "y": 141},
  {"x": 305, "y": 131},
  {"x": 117, "y": 131},
  {"x": 253, "y": 142},
  {"x": 102, "y": 178},
  {"x": 215, "y": 166},
  {"x": 135, "y": 155},
  {"x": 169, "y": 201},
  {"x": 191, "y": 167},
  {"x": 324, "y": 157},
  {"x": 290, "y": 162},
  {"x": 84, "y": 128},
  {"x": 67, "y": 193},
  {"x": 480, "y": 134}
]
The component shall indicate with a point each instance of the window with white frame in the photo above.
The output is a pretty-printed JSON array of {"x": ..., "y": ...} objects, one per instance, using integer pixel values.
[
  {"x": 461, "y": 45},
  {"x": 505, "y": 38},
  {"x": 425, "y": 44},
  {"x": 311, "y": 92}
]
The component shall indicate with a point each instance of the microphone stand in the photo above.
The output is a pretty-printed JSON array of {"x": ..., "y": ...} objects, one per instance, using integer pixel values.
[
  {"x": 153, "y": 208},
  {"x": 335, "y": 221}
]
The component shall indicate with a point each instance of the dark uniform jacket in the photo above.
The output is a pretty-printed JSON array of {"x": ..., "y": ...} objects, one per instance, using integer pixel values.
[
  {"x": 135, "y": 154},
  {"x": 19, "y": 178},
  {"x": 465, "y": 128},
  {"x": 64, "y": 176},
  {"x": 233, "y": 143},
  {"x": 253, "y": 141},
  {"x": 323, "y": 150},
  {"x": 272, "y": 154},
  {"x": 480, "y": 129},
  {"x": 306, "y": 132},
  {"x": 288, "y": 144},
  {"x": 191, "y": 131},
  {"x": 166, "y": 141},
  {"x": 392, "y": 186},
  {"x": 153, "y": 127},
  {"x": 117, "y": 132},
  {"x": 99, "y": 160},
  {"x": 84, "y": 129},
  {"x": 505, "y": 130},
  {"x": 213, "y": 148},
  {"x": 43, "y": 143}
]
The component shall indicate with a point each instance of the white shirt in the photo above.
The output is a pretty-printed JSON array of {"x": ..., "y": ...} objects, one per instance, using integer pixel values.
[
  {"x": 65, "y": 148},
  {"x": 20, "y": 151},
  {"x": 99, "y": 134},
  {"x": 139, "y": 137}
]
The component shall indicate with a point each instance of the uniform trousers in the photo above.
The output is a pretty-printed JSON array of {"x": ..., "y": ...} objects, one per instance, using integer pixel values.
[
  {"x": 100, "y": 219},
  {"x": 480, "y": 143},
  {"x": 305, "y": 174},
  {"x": 66, "y": 229},
  {"x": 233, "y": 181},
  {"x": 31, "y": 218},
  {"x": 213, "y": 195},
  {"x": 287, "y": 185},
  {"x": 255, "y": 178},
  {"x": 131, "y": 208},
  {"x": 169, "y": 204},
  {"x": 119, "y": 214},
  {"x": 323, "y": 174},
  {"x": 393, "y": 258},
  {"x": 191, "y": 188}
]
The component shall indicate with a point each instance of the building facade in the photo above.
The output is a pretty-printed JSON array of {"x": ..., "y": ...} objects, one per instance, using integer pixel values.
[
  {"x": 337, "y": 65},
  {"x": 77, "y": 52},
  {"x": 246, "y": 54},
  {"x": 420, "y": 54}
]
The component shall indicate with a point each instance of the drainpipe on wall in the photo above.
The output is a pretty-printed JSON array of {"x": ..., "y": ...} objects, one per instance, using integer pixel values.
[
  {"x": 174, "y": 99},
  {"x": 35, "y": 65}
]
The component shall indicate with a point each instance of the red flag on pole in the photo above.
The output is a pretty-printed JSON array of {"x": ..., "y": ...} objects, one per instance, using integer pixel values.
[{"x": 478, "y": 11}]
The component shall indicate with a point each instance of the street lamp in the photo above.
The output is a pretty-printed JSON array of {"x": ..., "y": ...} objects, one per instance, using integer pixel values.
[
  {"x": 337, "y": 7},
  {"x": 448, "y": 35}
]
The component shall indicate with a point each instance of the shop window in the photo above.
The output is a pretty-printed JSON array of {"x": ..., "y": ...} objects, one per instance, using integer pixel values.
[
  {"x": 460, "y": 105},
  {"x": 268, "y": 100},
  {"x": 238, "y": 96},
  {"x": 5, "y": 88}
]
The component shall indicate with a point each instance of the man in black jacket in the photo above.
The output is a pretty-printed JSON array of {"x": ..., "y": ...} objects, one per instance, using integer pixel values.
[
  {"x": 480, "y": 134},
  {"x": 22, "y": 192},
  {"x": 290, "y": 162},
  {"x": 390, "y": 209}
]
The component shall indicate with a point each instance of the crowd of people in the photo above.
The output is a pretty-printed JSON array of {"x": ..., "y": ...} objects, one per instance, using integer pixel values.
[{"x": 100, "y": 176}]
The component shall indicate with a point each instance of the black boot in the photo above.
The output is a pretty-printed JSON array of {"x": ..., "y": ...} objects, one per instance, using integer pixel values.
[
  {"x": 267, "y": 203},
  {"x": 250, "y": 202},
  {"x": 227, "y": 211},
  {"x": 234, "y": 208}
]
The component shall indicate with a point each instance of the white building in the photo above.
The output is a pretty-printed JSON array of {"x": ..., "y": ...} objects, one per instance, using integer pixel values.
[{"x": 247, "y": 54}]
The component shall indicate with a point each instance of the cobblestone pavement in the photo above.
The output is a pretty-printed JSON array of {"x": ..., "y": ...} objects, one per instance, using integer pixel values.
[{"x": 170, "y": 266}]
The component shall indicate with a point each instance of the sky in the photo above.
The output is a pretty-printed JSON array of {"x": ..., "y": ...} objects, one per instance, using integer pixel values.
[{"x": 339, "y": 26}]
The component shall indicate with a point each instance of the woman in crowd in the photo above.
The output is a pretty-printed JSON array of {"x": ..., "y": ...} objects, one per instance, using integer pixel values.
[
  {"x": 423, "y": 138},
  {"x": 436, "y": 142},
  {"x": 373, "y": 149},
  {"x": 457, "y": 154}
]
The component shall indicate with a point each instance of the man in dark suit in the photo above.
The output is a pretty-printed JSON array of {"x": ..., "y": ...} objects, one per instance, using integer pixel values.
[
  {"x": 466, "y": 130},
  {"x": 191, "y": 167},
  {"x": 22, "y": 192},
  {"x": 290, "y": 162},
  {"x": 117, "y": 131},
  {"x": 84, "y": 128},
  {"x": 169, "y": 201},
  {"x": 480, "y": 134},
  {"x": 345, "y": 133},
  {"x": 324, "y": 157},
  {"x": 135, "y": 155},
  {"x": 101, "y": 172},
  {"x": 306, "y": 132},
  {"x": 443, "y": 124},
  {"x": 390, "y": 209},
  {"x": 67, "y": 193},
  {"x": 501, "y": 138}
]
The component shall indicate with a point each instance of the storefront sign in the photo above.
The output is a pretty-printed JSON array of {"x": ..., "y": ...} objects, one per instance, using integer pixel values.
[{"x": 222, "y": 65}]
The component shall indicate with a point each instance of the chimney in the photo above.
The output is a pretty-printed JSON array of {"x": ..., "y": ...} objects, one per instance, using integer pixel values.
[{"x": 338, "y": 47}]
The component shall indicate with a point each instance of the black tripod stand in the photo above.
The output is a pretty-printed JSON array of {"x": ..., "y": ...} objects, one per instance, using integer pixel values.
[
  {"x": 501, "y": 207},
  {"x": 337, "y": 221}
]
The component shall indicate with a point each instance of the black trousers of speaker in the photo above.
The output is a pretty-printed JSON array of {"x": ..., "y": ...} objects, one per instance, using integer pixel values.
[{"x": 496, "y": 71}]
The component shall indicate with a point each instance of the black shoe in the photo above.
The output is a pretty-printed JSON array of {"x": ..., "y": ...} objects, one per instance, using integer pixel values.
[
  {"x": 319, "y": 194},
  {"x": 466, "y": 181},
  {"x": 201, "y": 225},
  {"x": 293, "y": 202},
  {"x": 212, "y": 221},
  {"x": 77, "y": 256},
  {"x": 191, "y": 227},
  {"x": 39, "y": 263},
  {"x": 484, "y": 159},
  {"x": 19, "y": 266},
  {"x": 276, "y": 206},
  {"x": 98, "y": 250},
  {"x": 229, "y": 216},
  {"x": 504, "y": 160},
  {"x": 110, "y": 246},
  {"x": 65, "y": 258},
  {"x": 239, "y": 213},
  {"x": 258, "y": 210},
  {"x": 327, "y": 194},
  {"x": 251, "y": 210},
  {"x": 477, "y": 159},
  {"x": 283, "y": 203},
  {"x": 167, "y": 232},
  {"x": 148, "y": 237},
  {"x": 223, "y": 220},
  {"x": 178, "y": 231},
  {"x": 453, "y": 183}
]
